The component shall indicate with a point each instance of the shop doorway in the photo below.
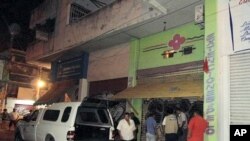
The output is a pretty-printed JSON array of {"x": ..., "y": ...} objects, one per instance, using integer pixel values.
[{"x": 160, "y": 106}]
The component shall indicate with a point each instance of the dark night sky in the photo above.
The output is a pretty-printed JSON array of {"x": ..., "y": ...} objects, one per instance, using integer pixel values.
[{"x": 16, "y": 11}]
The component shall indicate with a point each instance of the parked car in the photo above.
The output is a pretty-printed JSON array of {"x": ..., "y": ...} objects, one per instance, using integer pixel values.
[{"x": 67, "y": 121}]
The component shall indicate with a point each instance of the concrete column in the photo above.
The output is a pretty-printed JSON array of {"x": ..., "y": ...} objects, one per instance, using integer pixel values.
[
  {"x": 83, "y": 89},
  {"x": 211, "y": 93},
  {"x": 217, "y": 49},
  {"x": 224, "y": 50}
]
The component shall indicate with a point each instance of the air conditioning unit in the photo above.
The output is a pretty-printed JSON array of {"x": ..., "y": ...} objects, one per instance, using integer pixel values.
[{"x": 199, "y": 14}]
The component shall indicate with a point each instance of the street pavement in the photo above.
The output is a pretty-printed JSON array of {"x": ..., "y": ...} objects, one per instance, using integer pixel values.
[{"x": 6, "y": 134}]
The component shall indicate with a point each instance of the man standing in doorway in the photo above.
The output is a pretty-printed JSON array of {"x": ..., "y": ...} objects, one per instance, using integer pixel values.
[
  {"x": 182, "y": 123},
  {"x": 170, "y": 126},
  {"x": 126, "y": 128},
  {"x": 197, "y": 127},
  {"x": 151, "y": 128}
]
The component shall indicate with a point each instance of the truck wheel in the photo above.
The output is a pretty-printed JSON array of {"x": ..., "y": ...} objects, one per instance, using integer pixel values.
[
  {"x": 18, "y": 137},
  {"x": 49, "y": 138}
]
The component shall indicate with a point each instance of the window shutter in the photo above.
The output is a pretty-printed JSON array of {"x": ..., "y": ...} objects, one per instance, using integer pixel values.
[{"x": 240, "y": 88}]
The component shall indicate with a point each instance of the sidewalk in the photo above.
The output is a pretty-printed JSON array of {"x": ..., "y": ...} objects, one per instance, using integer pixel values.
[{"x": 5, "y": 134}]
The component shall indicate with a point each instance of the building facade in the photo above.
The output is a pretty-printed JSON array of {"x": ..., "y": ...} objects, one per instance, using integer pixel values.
[
  {"x": 19, "y": 79},
  {"x": 148, "y": 42}
]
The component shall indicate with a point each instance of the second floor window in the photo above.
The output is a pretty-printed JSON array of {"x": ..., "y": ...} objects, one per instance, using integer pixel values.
[{"x": 79, "y": 9}]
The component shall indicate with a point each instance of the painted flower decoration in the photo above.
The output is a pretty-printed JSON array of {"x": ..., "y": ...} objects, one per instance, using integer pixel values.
[{"x": 176, "y": 42}]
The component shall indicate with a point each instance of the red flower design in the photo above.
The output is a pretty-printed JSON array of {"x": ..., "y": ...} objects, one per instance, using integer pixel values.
[{"x": 176, "y": 42}]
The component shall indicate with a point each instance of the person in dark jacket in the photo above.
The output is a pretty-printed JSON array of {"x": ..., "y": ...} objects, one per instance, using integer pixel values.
[
  {"x": 5, "y": 118},
  {"x": 137, "y": 123}
]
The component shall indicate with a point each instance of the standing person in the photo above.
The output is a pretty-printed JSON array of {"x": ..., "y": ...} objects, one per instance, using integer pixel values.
[
  {"x": 29, "y": 114},
  {"x": 13, "y": 118},
  {"x": 137, "y": 123},
  {"x": 182, "y": 123},
  {"x": 196, "y": 127},
  {"x": 151, "y": 128},
  {"x": 170, "y": 126},
  {"x": 126, "y": 128},
  {"x": 5, "y": 117}
]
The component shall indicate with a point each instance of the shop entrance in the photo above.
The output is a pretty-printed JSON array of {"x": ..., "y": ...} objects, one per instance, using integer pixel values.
[
  {"x": 160, "y": 106},
  {"x": 159, "y": 93}
]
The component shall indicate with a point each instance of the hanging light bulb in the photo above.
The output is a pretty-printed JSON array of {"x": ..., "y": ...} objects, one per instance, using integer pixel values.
[{"x": 168, "y": 53}]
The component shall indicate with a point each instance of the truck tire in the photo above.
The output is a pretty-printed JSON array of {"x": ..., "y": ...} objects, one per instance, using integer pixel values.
[
  {"x": 49, "y": 138},
  {"x": 18, "y": 136}
]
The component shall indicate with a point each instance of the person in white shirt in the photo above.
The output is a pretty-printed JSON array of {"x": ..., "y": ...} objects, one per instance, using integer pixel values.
[
  {"x": 126, "y": 128},
  {"x": 13, "y": 118},
  {"x": 182, "y": 123},
  {"x": 170, "y": 125}
]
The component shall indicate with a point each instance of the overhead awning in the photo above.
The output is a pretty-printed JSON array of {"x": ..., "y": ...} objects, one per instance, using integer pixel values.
[
  {"x": 57, "y": 93},
  {"x": 111, "y": 85},
  {"x": 51, "y": 96},
  {"x": 192, "y": 88}
]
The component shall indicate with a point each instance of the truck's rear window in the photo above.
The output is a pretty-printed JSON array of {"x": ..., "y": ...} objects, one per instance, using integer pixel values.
[
  {"x": 103, "y": 116},
  {"x": 66, "y": 114},
  {"x": 51, "y": 115},
  {"x": 92, "y": 115},
  {"x": 88, "y": 117}
]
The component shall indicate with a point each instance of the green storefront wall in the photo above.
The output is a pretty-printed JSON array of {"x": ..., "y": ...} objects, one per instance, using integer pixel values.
[
  {"x": 147, "y": 52},
  {"x": 151, "y": 48}
]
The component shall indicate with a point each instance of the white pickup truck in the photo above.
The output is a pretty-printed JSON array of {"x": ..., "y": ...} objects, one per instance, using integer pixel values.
[{"x": 68, "y": 121}]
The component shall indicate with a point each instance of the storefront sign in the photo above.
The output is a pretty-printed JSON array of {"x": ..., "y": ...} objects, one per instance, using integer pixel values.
[
  {"x": 23, "y": 109},
  {"x": 240, "y": 24},
  {"x": 74, "y": 68},
  {"x": 210, "y": 108}
]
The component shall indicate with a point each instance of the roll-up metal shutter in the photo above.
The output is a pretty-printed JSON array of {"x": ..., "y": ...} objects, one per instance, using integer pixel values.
[{"x": 240, "y": 88}]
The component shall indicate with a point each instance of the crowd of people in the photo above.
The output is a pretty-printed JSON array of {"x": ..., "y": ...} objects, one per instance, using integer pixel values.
[
  {"x": 175, "y": 125},
  {"x": 9, "y": 119}
]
